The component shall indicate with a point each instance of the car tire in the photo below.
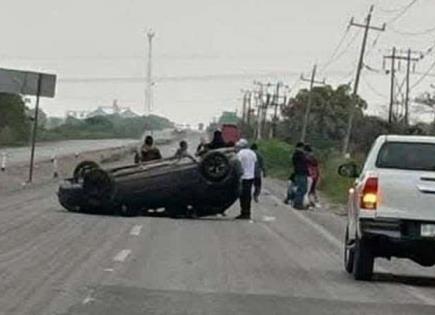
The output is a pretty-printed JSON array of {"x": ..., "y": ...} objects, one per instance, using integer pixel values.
[
  {"x": 82, "y": 168},
  {"x": 349, "y": 253},
  {"x": 363, "y": 261},
  {"x": 176, "y": 212},
  {"x": 127, "y": 211},
  {"x": 215, "y": 167}
]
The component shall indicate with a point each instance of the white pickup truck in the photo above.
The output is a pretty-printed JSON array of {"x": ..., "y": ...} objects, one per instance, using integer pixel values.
[{"x": 391, "y": 208}]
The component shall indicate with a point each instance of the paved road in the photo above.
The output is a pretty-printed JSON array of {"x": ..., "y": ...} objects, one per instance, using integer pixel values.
[
  {"x": 45, "y": 150},
  {"x": 284, "y": 262}
]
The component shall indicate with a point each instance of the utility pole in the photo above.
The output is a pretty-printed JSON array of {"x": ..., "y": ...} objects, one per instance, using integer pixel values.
[
  {"x": 392, "y": 94},
  {"x": 408, "y": 71},
  {"x": 244, "y": 107},
  {"x": 276, "y": 103},
  {"x": 249, "y": 108},
  {"x": 395, "y": 57},
  {"x": 262, "y": 107},
  {"x": 310, "y": 101},
  {"x": 149, "y": 81},
  {"x": 366, "y": 27}
]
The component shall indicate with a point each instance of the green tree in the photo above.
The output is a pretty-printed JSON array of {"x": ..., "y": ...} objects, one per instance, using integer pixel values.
[
  {"x": 328, "y": 118},
  {"x": 14, "y": 124}
]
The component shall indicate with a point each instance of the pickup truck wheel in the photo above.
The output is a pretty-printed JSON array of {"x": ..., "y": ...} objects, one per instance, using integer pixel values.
[
  {"x": 363, "y": 261},
  {"x": 349, "y": 253}
]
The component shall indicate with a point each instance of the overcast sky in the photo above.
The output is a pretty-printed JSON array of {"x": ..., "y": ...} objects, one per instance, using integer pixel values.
[{"x": 205, "y": 51}]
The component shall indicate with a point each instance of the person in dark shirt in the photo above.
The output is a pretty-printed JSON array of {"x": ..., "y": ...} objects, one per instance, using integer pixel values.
[
  {"x": 217, "y": 142},
  {"x": 182, "y": 151},
  {"x": 148, "y": 151},
  {"x": 301, "y": 173},
  {"x": 201, "y": 146},
  {"x": 260, "y": 171}
]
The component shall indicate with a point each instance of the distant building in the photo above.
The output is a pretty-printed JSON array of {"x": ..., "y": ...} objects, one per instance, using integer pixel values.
[{"x": 115, "y": 109}]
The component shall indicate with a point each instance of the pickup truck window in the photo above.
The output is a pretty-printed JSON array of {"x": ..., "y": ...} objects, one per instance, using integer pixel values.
[{"x": 407, "y": 156}]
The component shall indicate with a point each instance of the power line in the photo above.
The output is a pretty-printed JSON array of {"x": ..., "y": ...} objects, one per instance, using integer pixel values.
[
  {"x": 343, "y": 52},
  {"x": 402, "y": 12},
  {"x": 373, "y": 89},
  {"x": 331, "y": 58},
  {"x": 394, "y": 10},
  {"x": 416, "y": 33},
  {"x": 424, "y": 76}
]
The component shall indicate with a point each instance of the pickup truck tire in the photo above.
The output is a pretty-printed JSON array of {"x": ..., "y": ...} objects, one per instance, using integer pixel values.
[
  {"x": 363, "y": 261},
  {"x": 349, "y": 253}
]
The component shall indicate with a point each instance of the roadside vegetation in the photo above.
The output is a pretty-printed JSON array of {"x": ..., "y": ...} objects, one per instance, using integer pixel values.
[
  {"x": 277, "y": 155},
  {"x": 16, "y": 124},
  {"x": 326, "y": 130}
]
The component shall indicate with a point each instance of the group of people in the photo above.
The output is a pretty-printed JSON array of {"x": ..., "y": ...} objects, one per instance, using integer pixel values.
[
  {"x": 303, "y": 181},
  {"x": 251, "y": 162},
  {"x": 150, "y": 152},
  {"x": 301, "y": 193}
]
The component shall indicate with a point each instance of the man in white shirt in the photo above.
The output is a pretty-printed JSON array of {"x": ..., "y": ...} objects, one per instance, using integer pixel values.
[{"x": 248, "y": 160}]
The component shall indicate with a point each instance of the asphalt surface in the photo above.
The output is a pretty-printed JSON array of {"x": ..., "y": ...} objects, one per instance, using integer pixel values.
[
  {"x": 46, "y": 150},
  {"x": 282, "y": 262}
]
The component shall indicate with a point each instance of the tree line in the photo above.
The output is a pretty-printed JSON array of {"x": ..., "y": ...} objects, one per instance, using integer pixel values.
[{"x": 16, "y": 123}]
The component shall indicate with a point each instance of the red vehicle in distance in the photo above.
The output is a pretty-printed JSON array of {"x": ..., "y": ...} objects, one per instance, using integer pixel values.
[{"x": 230, "y": 133}]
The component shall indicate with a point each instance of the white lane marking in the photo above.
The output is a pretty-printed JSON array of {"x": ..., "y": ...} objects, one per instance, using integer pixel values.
[
  {"x": 336, "y": 242},
  {"x": 320, "y": 229},
  {"x": 122, "y": 255},
  {"x": 266, "y": 218},
  {"x": 88, "y": 299},
  {"x": 109, "y": 269},
  {"x": 135, "y": 230}
]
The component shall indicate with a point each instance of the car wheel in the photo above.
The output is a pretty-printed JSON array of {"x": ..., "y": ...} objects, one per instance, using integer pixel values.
[
  {"x": 98, "y": 185},
  {"x": 176, "y": 212},
  {"x": 127, "y": 211},
  {"x": 363, "y": 260},
  {"x": 349, "y": 253},
  {"x": 82, "y": 168},
  {"x": 215, "y": 166}
]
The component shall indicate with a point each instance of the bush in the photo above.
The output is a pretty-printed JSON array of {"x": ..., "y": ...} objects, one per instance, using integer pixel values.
[{"x": 277, "y": 157}]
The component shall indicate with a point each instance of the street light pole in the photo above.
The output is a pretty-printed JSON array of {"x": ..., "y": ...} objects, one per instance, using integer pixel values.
[{"x": 149, "y": 81}]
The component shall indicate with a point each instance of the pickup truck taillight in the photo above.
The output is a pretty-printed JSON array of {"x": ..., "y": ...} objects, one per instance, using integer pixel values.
[{"x": 370, "y": 195}]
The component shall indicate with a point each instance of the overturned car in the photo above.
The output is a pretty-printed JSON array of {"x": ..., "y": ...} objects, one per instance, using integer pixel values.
[{"x": 207, "y": 186}]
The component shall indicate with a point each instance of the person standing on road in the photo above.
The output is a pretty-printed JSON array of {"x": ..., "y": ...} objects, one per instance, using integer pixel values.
[
  {"x": 314, "y": 175},
  {"x": 248, "y": 160},
  {"x": 260, "y": 171},
  {"x": 301, "y": 173}
]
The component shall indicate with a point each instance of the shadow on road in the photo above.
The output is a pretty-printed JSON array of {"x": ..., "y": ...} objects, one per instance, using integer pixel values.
[
  {"x": 160, "y": 213},
  {"x": 419, "y": 281}
]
